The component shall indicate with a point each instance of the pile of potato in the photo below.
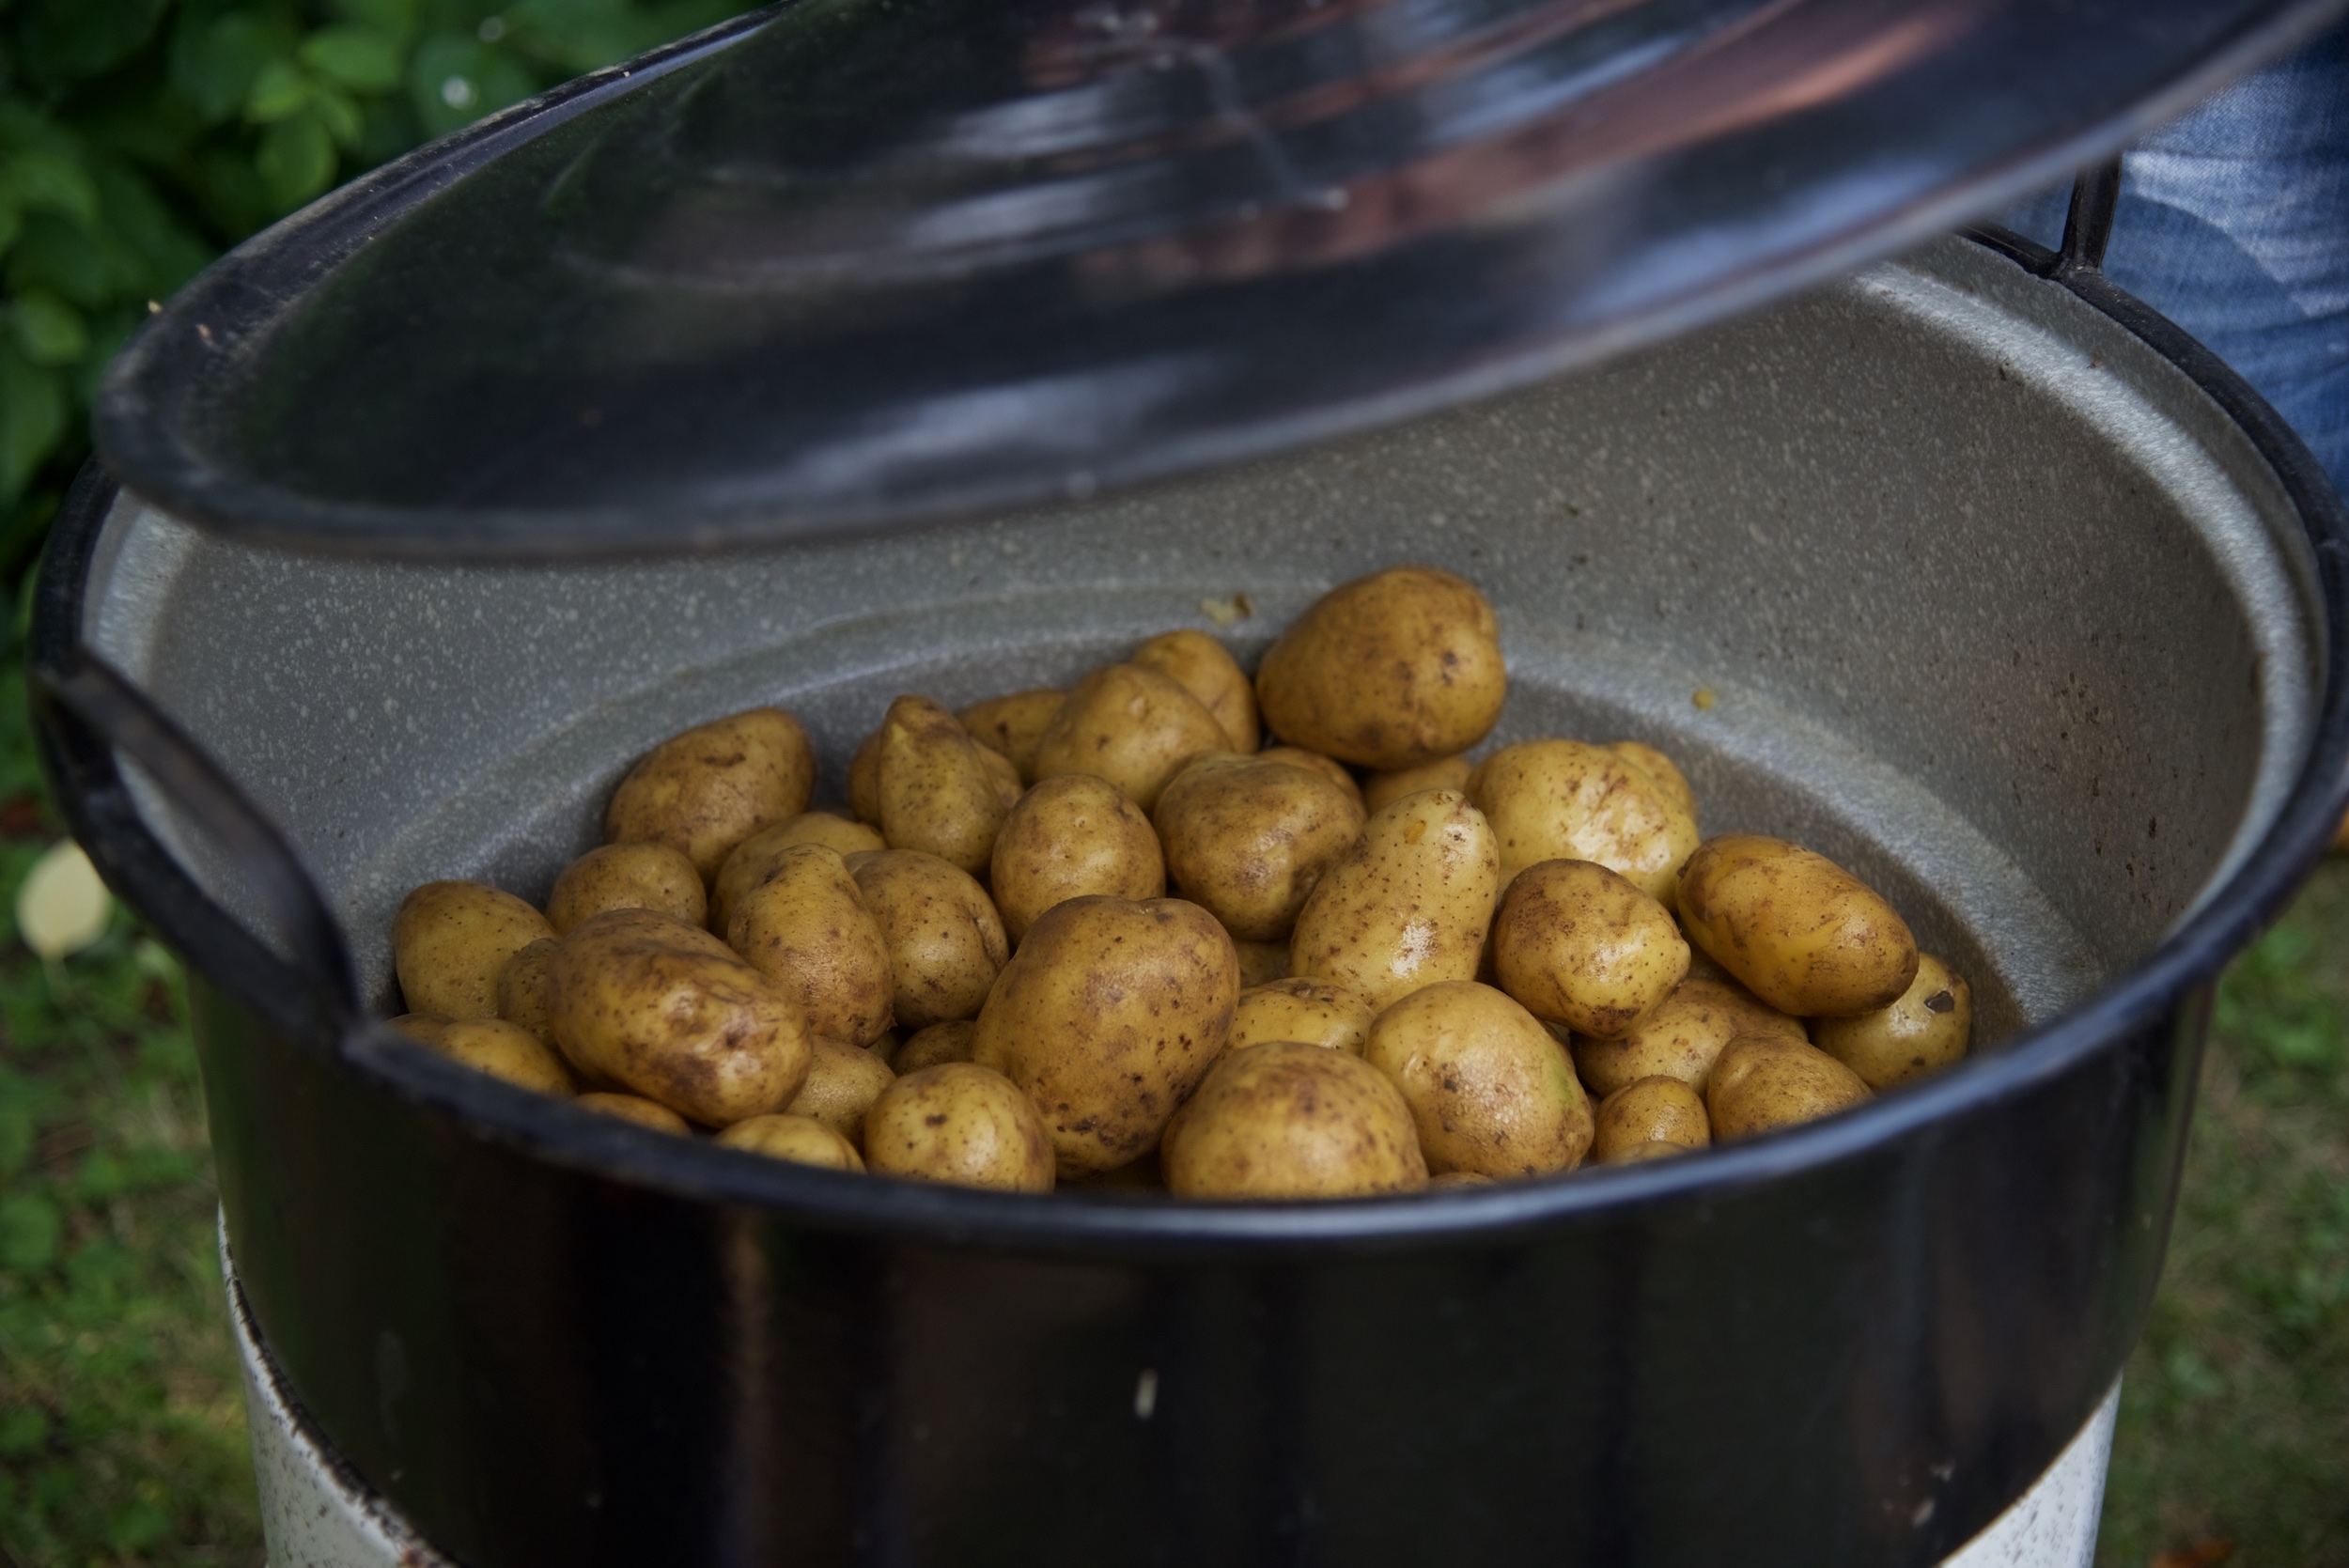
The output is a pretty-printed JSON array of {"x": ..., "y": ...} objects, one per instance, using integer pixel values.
[{"x": 1431, "y": 974}]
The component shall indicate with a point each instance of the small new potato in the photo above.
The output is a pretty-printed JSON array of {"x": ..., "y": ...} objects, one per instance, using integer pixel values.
[
  {"x": 1922, "y": 1033},
  {"x": 941, "y": 1042},
  {"x": 1314, "y": 762},
  {"x": 1764, "y": 1081},
  {"x": 1381, "y": 790},
  {"x": 1388, "y": 672},
  {"x": 450, "y": 940},
  {"x": 1201, "y": 666},
  {"x": 506, "y": 1051},
  {"x": 1315, "y": 1012},
  {"x": 423, "y": 1028},
  {"x": 637, "y": 875},
  {"x": 756, "y": 856},
  {"x": 1408, "y": 905},
  {"x": 1796, "y": 929},
  {"x": 1563, "y": 800},
  {"x": 1661, "y": 768},
  {"x": 636, "y": 1109},
  {"x": 1015, "y": 726},
  {"x": 961, "y": 1123},
  {"x": 522, "y": 990},
  {"x": 1682, "y": 1038},
  {"x": 1248, "y": 840},
  {"x": 807, "y": 928},
  {"x": 1072, "y": 836},
  {"x": 1131, "y": 726},
  {"x": 1577, "y": 944},
  {"x": 800, "y": 1140},
  {"x": 842, "y": 1083},
  {"x": 1005, "y": 773},
  {"x": 934, "y": 788},
  {"x": 1650, "y": 1110},
  {"x": 1490, "y": 1091},
  {"x": 1283, "y": 1119},
  {"x": 946, "y": 943},
  {"x": 707, "y": 790}
]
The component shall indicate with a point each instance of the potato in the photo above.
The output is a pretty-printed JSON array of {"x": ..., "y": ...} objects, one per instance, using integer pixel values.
[
  {"x": 636, "y": 1109},
  {"x": 1201, "y": 666},
  {"x": 945, "y": 940},
  {"x": 1651, "y": 1111},
  {"x": 423, "y": 1028},
  {"x": 1247, "y": 840},
  {"x": 1639, "y": 1154},
  {"x": 1107, "y": 1018},
  {"x": 522, "y": 990},
  {"x": 1407, "y": 906},
  {"x": 1798, "y": 930},
  {"x": 506, "y": 1051},
  {"x": 1314, "y": 762},
  {"x": 1681, "y": 1038},
  {"x": 641, "y": 875},
  {"x": 1922, "y": 1033},
  {"x": 1764, "y": 1081},
  {"x": 1661, "y": 769},
  {"x": 664, "y": 1010},
  {"x": 941, "y": 1042},
  {"x": 1381, "y": 790},
  {"x": 1577, "y": 944},
  {"x": 961, "y": 1123},
  {"x": 1562, "y": 800},
  {"x": 865, "y": 781},
  {"x": 1451, "y": 1180},
  {"x": 449, "y": 941},
  {"x": 800, "y": 1140},
  {"x": 842, "y": 1083},
  {"x": 756, "y": 856},
  {"x": 1005, "y": 773},
  {"x": 1014, "y": 724},
  {"x": 807, "y": 928},
  {"x": 1315, "y": 1012},
  {"x": 934, "y": 787},
  {"x": 707, "y": 790},
  {"x": 1261, "y": 963},
  {"x": 1490, "y": 1090},
  {"x": 1072, "y": 836},
  {"x": 1387, "y": 672},
  {"x": 1131, "y": 726},
  {"x": 1284, "y": 1119}
]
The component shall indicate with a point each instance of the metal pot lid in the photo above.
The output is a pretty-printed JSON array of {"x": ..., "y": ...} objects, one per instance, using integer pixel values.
[{"x": 850, "y": 264}]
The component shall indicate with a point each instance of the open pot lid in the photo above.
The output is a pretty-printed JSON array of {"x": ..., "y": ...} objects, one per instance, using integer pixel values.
[{"x": 850, "y": 264}]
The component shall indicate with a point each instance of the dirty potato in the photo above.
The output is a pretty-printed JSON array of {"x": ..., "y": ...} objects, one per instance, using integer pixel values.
[
  {"x": 1682, "y": 1037},
  {"x": 506, "y": 1051},
  {"x": 807, "y": 928},
  {"x": 935, "y": 791},
  {"x": 758, "y": 854},
  {"x": 1796, "y": 929},
  {"x": 1247, "y": 840},
  {"x": 1381, "y": 790},
  {"x": 707, "y": 790},
  {"x": 1650, "y": 1110},
  {"x": 1201, "y": 666},
  {"x": 1014, "y": 724},
  {"x": 945, "y": 940},
  {"x": 1661, "y": 768},
  {"x": 842, "y": 1083},
  {"x": 941, "y": 1042},
  {"x": 961, "y": 1124},
  {"x": 1314, "y": 762},
  {"x": 638, "y": 875},
  {"x": 1577, "y": 944},
  {"x": 1922, "y": 1033},
  {"x": 1315, "y": 1012},
  {"x": 1283, "y": 1119},
  {"x": 636, "y": 1109},
  {"x": 1490, "y": 1091},
  {"x": 1131, "y": 726},
  {"x": 522, "y": 990},
  {"x": 1407, "y": 906},
  {"x": 1765, "y": 1082},
  {"x": 800, "y": 1140},
  {"x": 1072, "y": 836},
  {"x": 450, "y": 940},
  {"x": 1563, "y": 800},
  {"x": 1005, "y": 773}
]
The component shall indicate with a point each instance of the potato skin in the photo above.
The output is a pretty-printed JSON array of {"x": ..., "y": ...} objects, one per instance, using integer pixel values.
[
  {"x": 1284, "y": 1119},
  {"x": 664, "y": 1010},
  {"x": 522, "y": 990},
  {"x": 1261, "y": 963},
  {"x": 1650, "y": 1110},
  {"x": 756, "y": 856},
  {"x": 1763, "y": 1082},
  {"x": 1314, "y": 1012},
  {"x": 1922, "y": 1033},
  {"x": 636, "y": 1109},
  {"x": 934, "y": 788},
  {"x": 961, "y": 1123},
  {"x": 1682, "y": 1037},
  {"x": 945, "y": 941},
  {"x": 638, "y": 875},
  {"x": 1574, "y": 943},
  {"x": 506, "y": 1051},
  {"x": 1489, "y": 1089},
  {"x": 842, "y": 1083},
  {"x": 1072, "y": 836},
  {"x": 1796, "y": 929},
  {"x": 1661, "y": 768},
  {"x": 1314, "y": 762},
  {"x": 1129, "y": 726},
  {"x": 941, "y": 1042},
  {"x": 865, "y": 781},
  {"x": 424, "y": 1029},
  {"x": 1203, "y": 667},
  {"x": 707, "y": 789},
  {"x": 800, "y": 1140},
  {"x": 1408, "y": 905},
  {"x": 1107, "y": 1018},
  {"x": 450, "y": 940},
  {"x": 1390, "y": 671},
  {"x": 1381, "y": 790},
  {"x": 1248, "y": 840},
  {"x": 1014, "y": 724},
  {"x": 1563, "y": 800},
  {"x": 806, "y": 927}
]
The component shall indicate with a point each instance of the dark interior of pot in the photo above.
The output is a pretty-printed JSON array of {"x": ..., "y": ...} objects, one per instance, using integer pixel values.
[{"x": 1936, "y": 571}]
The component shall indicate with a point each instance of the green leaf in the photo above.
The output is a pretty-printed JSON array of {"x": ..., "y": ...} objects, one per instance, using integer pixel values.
[
  {"x": 47, "y": 330},
  {"x": 339, "y": 113},
  {"x": 394, "y": 17},
  {"x": 214, "y": 59},
  {"x": 296, "y": 159},
  {"x": 51, "y": 180},
  {"x": 32, "y": 419},
  {"x": 30, "y": 1228},
  {"x": 455, "y": 80},
  {"x": 281, "y": 90},
  {"x": 359, "y": 58}
]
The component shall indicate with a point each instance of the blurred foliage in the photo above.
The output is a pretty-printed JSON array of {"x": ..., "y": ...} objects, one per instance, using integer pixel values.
[{"x": 139, "y": 138}]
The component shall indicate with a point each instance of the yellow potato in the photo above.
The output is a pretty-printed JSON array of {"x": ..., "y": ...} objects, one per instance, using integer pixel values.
[
  {"x": 800, "y": 1140},
  {"x": 423, "y": 1028},
  {"x": 1317, "y": 1012},
  {"x": 522, "y": 990},
  {"x": 1004, "y": 772},
  {"x": 1261, "y": 963},
  {"x": 636, "y": 1109},
  {"x": 506, "y": 1051},
  {"x": 1407, "y": 906},
  {"x": 1107, "y": 1018},
  {"x": 757, "y": 856},
  {"x": 1763, "y": 1082},
  {"x": 1247, "y": 840},
  {"x": 1283, "y": 1119},
  {"x": 1490, "y": 1091},
  {"x": 1201, "y": 666},
  {"x": 807, "y": 928},
  {"x": 1131, "y": 726},
  {"x": 842, "y": 1083},
  {"x": 639, "y": 875},
  {"x": 1651, "y": 1111},
  {"x": 662, "y": 1009},
  {"x": 941, "y": 1042},
  {"x": 707, "y": 790},
  {"x": 1577, "y": 944},
  {"x": 1314, "y": 762},
  {"x": 1662, "y": 770},
  {"x": 1800, "y": 931},
  {"x": 961, "y": 1123},
  {"x": 936, "y": 790},
  {"x": 1387, "y": 672},
  {"x": 1564, "y": 800},
  {"x": 1072, "y": 836},
  {"x": 865, "y": 781},
  {"x": 1639, "y": 1154},
  {"x": 1454, "y": 1179},
  {"x": 450, "y": 940},
  {"x": 1014, "y": 724},
  {"x": 1922, "y": 1033},
  {"x": 1682, "y": 1038},
  {"x": 1381, "y": 790},
  {"x": 945, "y": 940}
]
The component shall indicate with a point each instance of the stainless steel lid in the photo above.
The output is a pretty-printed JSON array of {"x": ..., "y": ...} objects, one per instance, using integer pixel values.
[{"x": 850, "y": 264}]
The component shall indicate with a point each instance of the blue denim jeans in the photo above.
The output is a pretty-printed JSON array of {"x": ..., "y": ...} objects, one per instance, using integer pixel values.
[{"x": 2234, "y": 223}]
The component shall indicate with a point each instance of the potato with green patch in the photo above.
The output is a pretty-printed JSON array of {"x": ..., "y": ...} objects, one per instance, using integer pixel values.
[
  {"x": 961, "y": 1124},
  {"x": 807, "y": 928},
  {"x": 946, "y": 943},
  {"x": 1315, "y": 1012},
  {"x": 1407, "y": 906},
  {"x": 1763, "y": 1082},
  {"x": 1387, "y": 672},
  {"x": 1203, "y": 667},
  {"x": 1489, "y": 1089},
  {"x": 1072, "y": 836},
  {"x": 800, "y": 1140},
  {"x": 1248, "y": 840},
  {"x": 1014, "y": 725},
  {"x": 1579, "y": 945},
  {"x": 1286, "y": 1120},
  {"x": 1796, "y": 929},
  {"x": 707, "y": 790},
  {"x": 1131, "y": 726},
  {"x": 1565, "y": 801},
  {"x": 450, "y": 940},
  {"x": 638, "y": 875},
  {"x": 1920, "y": 1035}
]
